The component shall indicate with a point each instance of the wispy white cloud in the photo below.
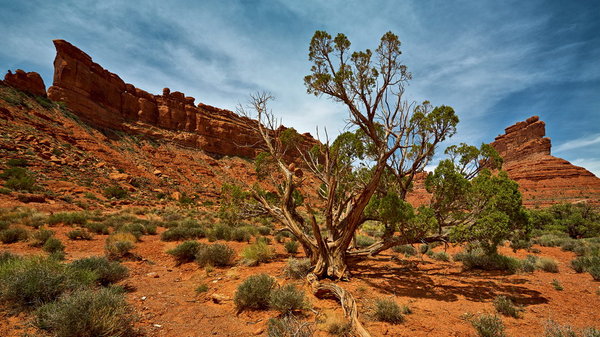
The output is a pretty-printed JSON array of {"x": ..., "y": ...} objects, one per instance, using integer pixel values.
[
  {"x": 591, "y": 164},
  {"x": 578, "y": 143}
]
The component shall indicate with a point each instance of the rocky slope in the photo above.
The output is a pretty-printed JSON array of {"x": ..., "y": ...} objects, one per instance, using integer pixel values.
[{"x": 544, "y": 179}]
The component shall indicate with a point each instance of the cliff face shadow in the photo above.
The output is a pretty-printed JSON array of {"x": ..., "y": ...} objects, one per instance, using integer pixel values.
[{"x": 410, "y": 279}]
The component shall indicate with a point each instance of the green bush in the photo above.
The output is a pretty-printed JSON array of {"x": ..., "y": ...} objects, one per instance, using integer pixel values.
[
  {"x": 548, "y": 265},
  {"x": 288, "y": 326},
  {"x": 529, "y": 264},
  {"x": 182, "y": 233},
  {"x": 4, "y": 190},
  {"x": 19, "y": 179},
  {"x": 556, "y": 284},
  {"x": 264, "y": 230},
  {"x": 386, "y": 310},
  {"x": 107, "y": 272},
  {"x": 97, "y": 228},
  {"x": 35, "y": 220},
  {"x": 553, "y": 329},
  {"x": 342, "y": 329},
  {"x": 185, "y": 252},
  {"x": 287, "y": 299},
  {"x": 202, "y": 288},
  {"x": 363, "y": 241},
  {"x": 441, "y": 256},
  {"x": 424, "y": 248},
  {"x": 8, "y": 257},
  {"x": 594, "y": 270},
  {"x": 550, "y": 240},
  {"x": 17, "y": 162},
  {"x": 240, "y": 235},
  {"x": 68, "y": 218},
  {"x": 488, "y": 326},
  {"x": 477, "y": 259},
  {"x": 407, "y": 250},
  {"x": 53, "y": 245},
  {"x": 258, "y": 252},
  {"x": 505, "y": 306},
  {"x": 40, "y": 237},
  {"x": 88, "y": 313},
  {"x": 221, "y": 232},
  {"x": 115, "y": 192},
  {"x": 297, "y": 268},
  {"x": 216, "y": 255},
  {"x": 13, "y": 235},
  {"x": 30, "y": 282},
  {"x": 79, "y": 234},
  {"x": 254, "y": 292},
  {"x": 291, "y": 247},
  {"x": 119, "y": 245}
]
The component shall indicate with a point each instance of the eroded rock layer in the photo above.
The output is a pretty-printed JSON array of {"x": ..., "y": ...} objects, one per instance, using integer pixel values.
[
  {"x": 105, "y": 100},
  {"x": 30, "y": 82},
  {"x": 543, "y": 179}
]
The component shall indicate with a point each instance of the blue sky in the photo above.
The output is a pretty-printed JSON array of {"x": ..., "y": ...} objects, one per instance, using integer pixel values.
[{"x": 495, "y": 62}]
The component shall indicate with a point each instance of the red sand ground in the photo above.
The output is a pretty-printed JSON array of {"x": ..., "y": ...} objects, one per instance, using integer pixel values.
[{"x": 439, "y": 293}]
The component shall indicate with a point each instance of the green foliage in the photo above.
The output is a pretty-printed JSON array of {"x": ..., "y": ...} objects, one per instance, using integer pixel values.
[
  {"x": 119, "y": 245},
  {"x": 488, "y": 326},
  {"x": 30, "y": 282},
  {"x": 97, "y": 228},
  {"x": 258, "y": 252},
  {"x": 79, "y": 234},
  {"x": 288, "y": 326},
  {"x": 478, "y": 259},
  {"x": 556, "y": 284},
  {"x": 594, "y": 270},
  {"x": 550, "y": 240},
  {"x": 107, "y": 272},
  {"x": 12, "y": 235},
  {"x": 53, "y": 245},
  {"x": 17, "y": 162},
  {"x": 254, "y": 292},
  {"x": 297, "y": 268},
  {"x": 5, "y": 190},
  {"x": 185, "y": 252},
  {"x": 221, "y": 232},
  {"x": 216, "y": 255},
  {"x": 505, "y": 306},
  {"x": 291, "y": 247},
  {"x": 115, "y": 192},
  {"x": 529, "y": 264},
  {"x": 182, "y": 233},
  {"x": 441, "y": 256},
  {"x": 553, "y": 329},
  {"x": 8, "y": 257},
  {"x": 202, "y": 288},
  {"x": 340, "y": 328},
  {"x": 240, "y": 235},
  {"x": 287, "y": 299},
  {"x": 363, "y": 241},
  {"x": 68, "y": 218},
  {"x": 407, "y": 250},
  {"x": 576, "y": 220},
  {"x": 40, "y": 237},
  {"x": 87, "y": 313},
  {"x": 387, "y": 310},
  {"x": 19, "y": 179},
  {"x": 548, "y": 265}
]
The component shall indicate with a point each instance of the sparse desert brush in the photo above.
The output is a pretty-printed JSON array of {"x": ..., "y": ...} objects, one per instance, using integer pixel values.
[
  {"x": 33, "y": 281},
  {"x": 487, "y": 325},
  {"x": 551, "y": 240},
  {"x": 221, "y": 232},
  {"x": 556, "y": 284},
  {"x": 287, "y": 299},
  {"x": 115, "y": 192},
  {"x": 240, "y": 234},
  {"x": 291, "y": 247},
  {"x": 258, "y": 252},
  {"x": 216, "y": 255},
  {"x": 288, "y": 326},
  {"x": 477, "y": 259},
  {"x": 553, "y": 329},
  {"x": 107, "y": 272},
  {"x": 119, "y": 245},
  {"x": 53, "y": 245},
  {"x": 202, "y": 288},
  {"x": 97, "y": 228},
  {"x": 340, "y": 327},
  {"x": 505, "y": 306},
  {"x": 19, "y": 179},
  {"x": 12, "y": 235},
  {"x": 87, "y": 313},
  {"x": 35, "y": 220},
  {"x": 407, "y": 250},
  {"x": 254, "y": 292},
  {"x": 185, "y": 252},
  {"x": 7, "y": 257},
  {"x": 182, "y": 233},
  {"x": 363, "y": 241},
  {"x": 441, "y": 256},
  {"x": 40, "y": 237},
  {"x": 297, "y": 268},
  {"x": 548, "y": 265},
  {"x": 68, "y": 218},
  {"x": 387, "y": 310},
  {"x": 79, "y": 234},
  {"x": 594, "y": 270},
  {"x": 263, "y": 230}
]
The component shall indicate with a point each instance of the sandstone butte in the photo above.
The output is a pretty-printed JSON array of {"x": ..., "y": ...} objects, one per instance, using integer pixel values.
[{"x": 103, "y": 99}]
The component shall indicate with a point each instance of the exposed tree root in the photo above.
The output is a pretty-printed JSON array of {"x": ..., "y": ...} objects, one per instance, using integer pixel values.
[{"x": 330, "y": 290}]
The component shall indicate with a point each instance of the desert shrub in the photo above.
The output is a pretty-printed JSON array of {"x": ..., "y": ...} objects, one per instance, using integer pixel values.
[
  {"x": 254, "y": 292},
  {"x": 258, "y": 252},
  {"x": 264, "y": 230},
  {"x": 4, "y": 190},
  {"x": 594, "y": 270},
  {"x": 221, "y": 232},
  {"x": 40, "y": 237},
  {"x": 553, "y": 329},
  {"x": 87, "y": 313},
  {"x": 107, "y": 272},
  {"x": 202, "y": 288},
  {"x": 407, "y": 250},
  {"x": 182, "y": 233},
  {"x": 17, "y": 162},
  {"x": 477, "y": 259},
  {"x": 36, "y": 220},
  {"x": 424, "y": 248},
  {"x": 280, "y": 237},
  {"x": 137, "y": 229},
  {"x": 548, "y": 265},
  {"x": 570, "y": 245},
  {"x": 4, "y": 225},
  {"x": 505, "y": 306},
  {"x": 297, "y": 268},
  {"x": 185, "y": 252},
  {"x": 440, "y": 256},
  {"x": 240, "y": 235},
  {"x": 119, "y": 245},
  {"x": 53, "y": 245},
  {"x": 97, "y": 227},
  {"x": 340, "y": 328},
  {"x": 363, "y": 241},
  {"x": 68, "y": 218},
  {"x": 217, "y": 255},
  {"x": 288, "y": 326},
  {"x": 287, "y": 299},
  {"x": 529, "y": 264},
  {"x": 291, "y": 247},
  {"x": 264, "y": 239},
  {"x": 520, "y": 244},
  {"x": 79, "y": 234},
  {"x": 550, "y": 240},
  {"x": 12, "y": 235},
  {"x": 387, "y": 310},
  {"x": 556, "y": 284},
  {"x": 115, "y": 192},
  {"x": 30, "y": 282},
  {"x": 19, "y": 179},
  {"x": 8, "y": 257},
  {"x": 488, "y": 326}
]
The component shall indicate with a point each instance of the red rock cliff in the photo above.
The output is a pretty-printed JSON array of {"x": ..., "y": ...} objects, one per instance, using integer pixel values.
[
  {"x": 105, "y": 100},
  {"x": 30, "y": 82},
  {"x": 543, "y": 179}
]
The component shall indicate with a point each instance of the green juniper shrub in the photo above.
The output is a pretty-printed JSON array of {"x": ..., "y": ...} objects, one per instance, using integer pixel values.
[
  {"x": 254, "y": 292},
  {"x": 407, "y": 250},
  {"x": 107, "y": 272},
  {"x": 240, "y": 235},
  {"x": 216, "y": 255},
  {"x": 256, "y": 253},
  {"x": 264, "y": 230},
  {"x": 68, "y": 218},
  {"x": 12, "y": 235},
  {"x": 53, "y": 245},
  {"x": 19, "y": 179},
  {"x": 115, "y": 192},
  {"x": 477, "y": 259},
  {"x": 221, "y": 232},
  {"x": 387, "y": 310},
  {"x": 185, "y": 252},
  {"x": 79, "y": 234},
  {"x": 363, "y": 241},
  {"x": 506, "y": 307},
  {"x": 33, "y": 281},
  {"x": 291, "y": 247},
  {"x": 288, "y": 326},
  {"x": 529, "y": 264},
  {"x": 297, "y": 268},
  {"x": 87, "y": 313},
  {"x": 488, "y": 326},
  {"x": 548, "y": 265},
  {"x": 287, "y": 299},
  {"x": 98, "y": 228},
  {"x": 40, "y": 237}
]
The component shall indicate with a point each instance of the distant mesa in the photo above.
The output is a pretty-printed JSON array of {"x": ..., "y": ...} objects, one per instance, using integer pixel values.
[{"x": 30, "y": 82}]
